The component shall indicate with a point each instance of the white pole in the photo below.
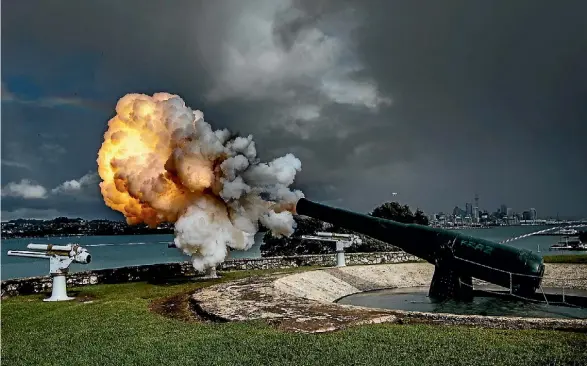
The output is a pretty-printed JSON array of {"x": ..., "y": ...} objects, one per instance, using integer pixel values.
[
  {"x": 211, "y": 273},
  {"x": 59, "y": 292},
  {"x": 340, "y": 261}
]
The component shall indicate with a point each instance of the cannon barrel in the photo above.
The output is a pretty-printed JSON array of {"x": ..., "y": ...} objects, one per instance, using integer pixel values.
[
  {"x": 518, "y": 269},
  {"x": 50, "y": 247}
]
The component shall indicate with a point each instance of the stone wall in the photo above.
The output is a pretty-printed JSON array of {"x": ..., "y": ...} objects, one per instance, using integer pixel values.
[{"x": 161, "y": 272}]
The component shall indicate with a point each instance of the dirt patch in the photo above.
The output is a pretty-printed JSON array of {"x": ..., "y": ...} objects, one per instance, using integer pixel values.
[
  {"x": 84, "y": 298},
  {"x": 321, "y": 318},
  {"x": 175, "y": 307}
]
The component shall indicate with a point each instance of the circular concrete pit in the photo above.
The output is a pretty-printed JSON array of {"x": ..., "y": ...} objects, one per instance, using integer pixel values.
[{"x": 306, "y": 301}]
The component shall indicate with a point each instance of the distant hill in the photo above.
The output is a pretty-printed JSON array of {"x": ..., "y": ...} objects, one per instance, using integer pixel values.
[{"x": 66, "y": 226}]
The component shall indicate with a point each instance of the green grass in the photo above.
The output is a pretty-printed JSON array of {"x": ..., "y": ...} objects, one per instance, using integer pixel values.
[
  {"x": 561, "y": 258},
  {"x": 119, "y": 329}
]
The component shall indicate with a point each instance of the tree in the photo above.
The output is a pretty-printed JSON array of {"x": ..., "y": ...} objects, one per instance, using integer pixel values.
[
  {"x": 295, "y": 245},
  {"x": 400, "y": 213},
  {"x": 420, "y": 218}
]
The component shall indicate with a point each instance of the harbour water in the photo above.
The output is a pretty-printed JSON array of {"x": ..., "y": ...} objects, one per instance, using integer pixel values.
[
  {"x": 416, "y": 299},
  {"x": 121, "y": 251}
]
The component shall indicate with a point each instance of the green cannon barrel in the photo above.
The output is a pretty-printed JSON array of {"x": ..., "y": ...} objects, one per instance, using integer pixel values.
[{"x": 499, "y": 264}]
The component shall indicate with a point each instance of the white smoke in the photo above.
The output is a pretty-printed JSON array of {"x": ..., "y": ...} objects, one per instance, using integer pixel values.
[{"x": 161, "y": 161}]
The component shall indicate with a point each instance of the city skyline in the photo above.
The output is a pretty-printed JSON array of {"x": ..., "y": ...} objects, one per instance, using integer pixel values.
[{"x": 450, "y": 212}]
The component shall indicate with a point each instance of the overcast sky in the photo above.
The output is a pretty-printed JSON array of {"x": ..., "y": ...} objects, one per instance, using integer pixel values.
[{"x": 434, "y": 100}]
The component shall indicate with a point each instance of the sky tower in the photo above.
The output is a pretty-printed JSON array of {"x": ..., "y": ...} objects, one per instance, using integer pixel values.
[{"x": 476, "y": 208}]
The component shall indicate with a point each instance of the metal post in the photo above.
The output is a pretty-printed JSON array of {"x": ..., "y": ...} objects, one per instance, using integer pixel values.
[
  {"x": 59, "y": 291},
  {"x": 211, "y": 273},
  {"x": 340, "y": 260},
  {"x": 543, "y": 294}
]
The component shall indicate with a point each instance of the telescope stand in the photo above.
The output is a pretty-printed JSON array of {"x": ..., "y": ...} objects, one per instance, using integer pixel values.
[
  {"x": 211, "y": 273},
  {"x": 59, "y": 291},
  {"x": 341, "y": 241},
  {"x": 340, "y": 261}
]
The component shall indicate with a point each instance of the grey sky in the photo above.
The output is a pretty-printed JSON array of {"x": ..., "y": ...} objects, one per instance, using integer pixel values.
[{"x": 433, "y": 100}]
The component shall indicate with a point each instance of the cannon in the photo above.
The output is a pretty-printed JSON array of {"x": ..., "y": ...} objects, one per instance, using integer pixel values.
[
  {"x": 60, "y": 258},
  {"x": 457, "y": 258}
]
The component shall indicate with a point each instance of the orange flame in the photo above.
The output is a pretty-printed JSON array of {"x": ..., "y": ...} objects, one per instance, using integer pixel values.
[{"x": 137, "y": 179}]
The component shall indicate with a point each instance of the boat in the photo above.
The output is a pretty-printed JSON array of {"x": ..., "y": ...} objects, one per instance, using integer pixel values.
[
  {"x": 570, "y": 240},
  {"x": 567, "y": 232},
  {"x": 569, "y": 243},
  {"x": 580, "y": 247}
]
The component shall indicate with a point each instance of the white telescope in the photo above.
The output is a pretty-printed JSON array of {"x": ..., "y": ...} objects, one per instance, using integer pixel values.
[
  {"x": 342, "y": 241},
  {"x": 334, "y": 235},
  {"x": 60, "y": 257}
]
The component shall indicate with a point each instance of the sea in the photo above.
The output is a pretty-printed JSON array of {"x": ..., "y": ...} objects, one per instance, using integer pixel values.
[{"x": 121, "y": 251}]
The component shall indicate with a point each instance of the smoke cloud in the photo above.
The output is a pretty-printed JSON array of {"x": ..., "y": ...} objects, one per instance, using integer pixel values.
[{"x": 162, "y": 162}]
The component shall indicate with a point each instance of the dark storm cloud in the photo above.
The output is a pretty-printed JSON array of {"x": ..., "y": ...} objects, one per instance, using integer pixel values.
[{"x": 486, "y": 97}]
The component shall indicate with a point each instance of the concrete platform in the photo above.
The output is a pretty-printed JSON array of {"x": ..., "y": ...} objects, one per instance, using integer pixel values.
[{"x": 305, "y": 302}]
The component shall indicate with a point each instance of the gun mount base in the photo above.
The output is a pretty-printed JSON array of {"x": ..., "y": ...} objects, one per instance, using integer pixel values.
[
  {"x": 59, "y": 290},
  {"x": 340, "y": 260},
  {"x": 448, "y": 284},
  {"x": 211, "y": 273}
]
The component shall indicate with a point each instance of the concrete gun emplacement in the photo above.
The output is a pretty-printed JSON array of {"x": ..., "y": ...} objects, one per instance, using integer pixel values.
[
  {"x": 457, "y": 257},
  {"x": 60, "y": 258}
]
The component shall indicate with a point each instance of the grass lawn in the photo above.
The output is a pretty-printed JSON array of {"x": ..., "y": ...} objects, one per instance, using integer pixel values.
[
  {"x": 119, "y": 329},
  {"x": 561, "y": 258}
]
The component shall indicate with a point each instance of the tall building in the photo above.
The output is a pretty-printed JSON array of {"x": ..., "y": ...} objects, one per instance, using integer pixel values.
[
  {"x": 509, "y": 212},
  {"x": 456, "y": 211},
  {"x": 503, "y": 209},
  {"x": 469, "y": 209},
  {"x": 533, "y": 215},
  {"x": 476, "y": 214}
]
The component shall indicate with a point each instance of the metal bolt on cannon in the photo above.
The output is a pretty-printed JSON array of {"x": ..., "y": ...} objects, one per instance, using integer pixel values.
[{"x": 60, "y": 258}]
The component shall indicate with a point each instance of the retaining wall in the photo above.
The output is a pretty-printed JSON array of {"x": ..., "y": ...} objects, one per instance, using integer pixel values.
[{"x": 161, "y": 272}]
